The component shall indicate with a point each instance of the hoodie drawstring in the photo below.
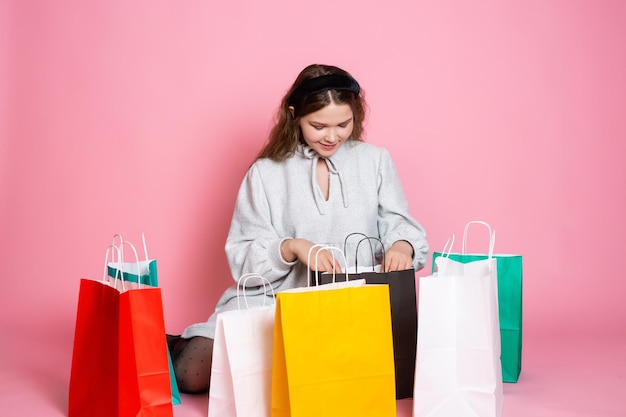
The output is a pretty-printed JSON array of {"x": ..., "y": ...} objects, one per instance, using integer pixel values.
[{"x": 332, "y": 169}]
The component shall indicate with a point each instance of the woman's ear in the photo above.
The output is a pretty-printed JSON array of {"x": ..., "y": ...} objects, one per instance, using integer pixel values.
[{"x": 292, "y": 111}]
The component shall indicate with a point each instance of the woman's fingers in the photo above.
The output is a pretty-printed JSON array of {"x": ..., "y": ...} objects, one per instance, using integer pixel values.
[
  {"x": 397, "y": 261},
  {"x": 326, "y": 262}
]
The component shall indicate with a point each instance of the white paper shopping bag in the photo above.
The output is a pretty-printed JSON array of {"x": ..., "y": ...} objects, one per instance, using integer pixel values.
[
  {"x": 458, "y": 371},
  {"x": 241, "y": 372}
]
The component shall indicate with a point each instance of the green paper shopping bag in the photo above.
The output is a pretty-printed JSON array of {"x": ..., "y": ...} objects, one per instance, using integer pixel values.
[{"x": 509, "y": 302}]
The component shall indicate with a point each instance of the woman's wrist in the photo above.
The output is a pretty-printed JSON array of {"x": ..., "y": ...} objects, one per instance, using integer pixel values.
[
  {"x": 404, "y": 246},
  {"x": 285, "y": 251}
]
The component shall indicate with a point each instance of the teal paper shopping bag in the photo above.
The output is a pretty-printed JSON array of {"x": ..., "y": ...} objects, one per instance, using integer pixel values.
[{"x": 142, "y": 272}]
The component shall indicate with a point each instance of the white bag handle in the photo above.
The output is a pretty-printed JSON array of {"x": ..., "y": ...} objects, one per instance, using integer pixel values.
[
  {"x": 492, "y": 236},
  {"x": 119, "y": 254},
  {"x": 331, "y": 249},
  {"x": 444, "y": 253},
  {"x": 105, "y": 273},
  {"x": 450, "y": 242},
  {"x": 117, "y": 236},
  {"x": 120, "y": 251},
  {"x": 145, "y": 247},
  {"x": 245, "y": 278},
  {"x": 143, "y": 239}
]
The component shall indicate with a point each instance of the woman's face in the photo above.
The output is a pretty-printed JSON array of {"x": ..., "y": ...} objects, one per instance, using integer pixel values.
[{"x": 328, "y": 128}]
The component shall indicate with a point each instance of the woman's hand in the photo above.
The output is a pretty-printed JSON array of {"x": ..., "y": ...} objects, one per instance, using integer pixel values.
[
  {"x": 292, "y": 249},
  {"x": 399, "y": 256}
]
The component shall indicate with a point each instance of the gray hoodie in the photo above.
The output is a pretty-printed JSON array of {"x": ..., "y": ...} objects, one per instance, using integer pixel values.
[{"x": 282, "y": 200}]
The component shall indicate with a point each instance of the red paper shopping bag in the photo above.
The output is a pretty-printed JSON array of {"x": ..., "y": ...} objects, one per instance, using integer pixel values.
[
  {"x": 94, "y": 373},
  {"x": 144, "y": 272},
  {"x": 144, "y": 375},
  {"x": 119, "y": 364}
]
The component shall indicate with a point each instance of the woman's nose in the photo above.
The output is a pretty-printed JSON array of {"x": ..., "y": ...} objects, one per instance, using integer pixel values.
[{"x": 332, "y": 136}]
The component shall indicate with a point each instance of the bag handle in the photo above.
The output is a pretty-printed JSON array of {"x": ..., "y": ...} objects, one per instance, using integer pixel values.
[
  {"x": 331, "y": 249},
  {"x": 106, "y": 263},
  {"x": 245, "y": 278},
  {"x": 117, "y": 236},
  {"x": 119, "y": 254},
  {"x": 345, "y": 244},
  {"x": 356, "y": 255},
  {"x": 143, "y": 239},
  {"x": 356, "y": 258},
  {"x": 492, "y": 236},
  {"x": 444, "y": 253},
  {"x": 145, "y": 247},
  {"x": 120, "y": 251},
  {"x": 450, "y": 242}
]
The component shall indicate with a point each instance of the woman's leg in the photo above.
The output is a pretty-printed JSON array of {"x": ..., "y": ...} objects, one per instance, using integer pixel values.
[{"x": 192, "y": 360}]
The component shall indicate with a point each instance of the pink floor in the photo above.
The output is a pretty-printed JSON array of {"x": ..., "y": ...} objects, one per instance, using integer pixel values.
[{"x": 563, "y": 376}]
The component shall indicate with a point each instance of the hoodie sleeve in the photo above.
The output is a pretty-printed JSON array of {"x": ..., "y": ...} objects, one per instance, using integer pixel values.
[
  {"x": 394, "y": 219},
  {"x": 252, "y": 245}
]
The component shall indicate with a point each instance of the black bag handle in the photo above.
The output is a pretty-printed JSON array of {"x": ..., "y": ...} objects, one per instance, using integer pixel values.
[{"x": 356, "y": 254}]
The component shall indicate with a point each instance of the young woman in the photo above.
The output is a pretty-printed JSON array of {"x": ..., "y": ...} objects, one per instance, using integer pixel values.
[{"x": 314, "y": 182}]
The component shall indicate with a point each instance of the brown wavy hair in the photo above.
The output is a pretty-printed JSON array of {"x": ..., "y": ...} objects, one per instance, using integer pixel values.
[{"x": 286, "y": 133}]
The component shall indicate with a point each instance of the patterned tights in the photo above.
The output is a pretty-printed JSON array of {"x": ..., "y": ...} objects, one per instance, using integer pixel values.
[{"x": 192, "y": 360}]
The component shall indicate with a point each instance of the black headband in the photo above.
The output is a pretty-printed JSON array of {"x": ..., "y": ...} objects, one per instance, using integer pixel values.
[{"x": 323, "y": 83}]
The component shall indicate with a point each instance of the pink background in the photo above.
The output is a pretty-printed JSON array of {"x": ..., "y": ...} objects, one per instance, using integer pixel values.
[{"x": 129, "y": 117}]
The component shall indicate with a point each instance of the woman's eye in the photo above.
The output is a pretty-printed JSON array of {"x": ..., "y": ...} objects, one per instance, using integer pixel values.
[{"x": 318, "y": 127}]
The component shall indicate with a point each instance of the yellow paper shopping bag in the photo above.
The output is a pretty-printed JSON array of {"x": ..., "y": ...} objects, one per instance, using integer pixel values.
[{"x": 333, "y": 352}]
